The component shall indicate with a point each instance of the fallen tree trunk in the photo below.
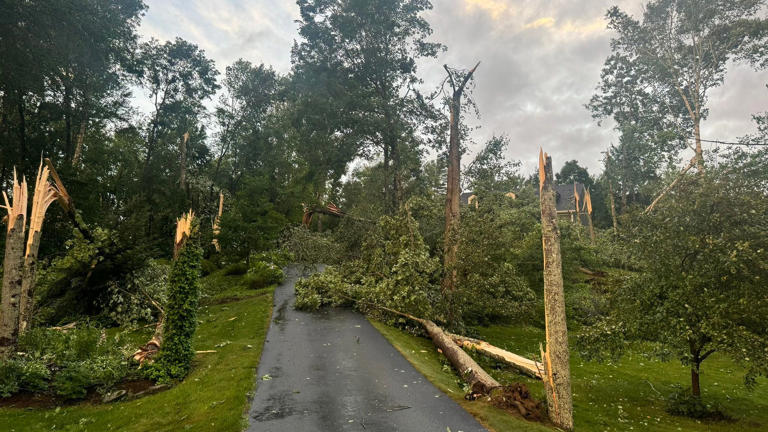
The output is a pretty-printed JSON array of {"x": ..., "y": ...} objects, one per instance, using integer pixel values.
[{"x": 526, "y": 366}]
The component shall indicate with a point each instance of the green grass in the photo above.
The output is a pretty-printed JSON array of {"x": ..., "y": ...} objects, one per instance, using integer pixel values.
[
  {"x": 621, "y": 396},
  {"x": 212, "y": 398}
]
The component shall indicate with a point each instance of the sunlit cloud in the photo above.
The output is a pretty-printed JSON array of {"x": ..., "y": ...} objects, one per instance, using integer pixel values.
[
  {"x": 541, "y": 22},
  {"x": 493, "y": 7}
]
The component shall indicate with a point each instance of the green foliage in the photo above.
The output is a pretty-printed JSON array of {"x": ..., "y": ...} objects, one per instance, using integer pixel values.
[
  {"x": 263, "y": 271},
  {"x": 701, "y": 290},
  {"x": 135, "y": 299},
  {"x": 102, "y": 372},
  {"x": 395, "y": 270},
  {"x": 207, "y": 267},
  {"x": 66, "y": 363},
  {"x": 309, "y": 247},
  {"x": 176, "y": 354},
  {"x": 682, "y": 403},
  {"x": 236, "y": 269}
]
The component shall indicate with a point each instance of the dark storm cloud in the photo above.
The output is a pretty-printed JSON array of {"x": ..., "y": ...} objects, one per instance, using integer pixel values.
[{"x": 541, "y": 63}]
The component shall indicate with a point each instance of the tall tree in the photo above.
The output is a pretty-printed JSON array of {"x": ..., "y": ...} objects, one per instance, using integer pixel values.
[
  {"x": 355, "y": 74},
  {"x": 682, "y": 48},
  {"x": 458, "y": 81},
  {"x": 572, "y": 172}
]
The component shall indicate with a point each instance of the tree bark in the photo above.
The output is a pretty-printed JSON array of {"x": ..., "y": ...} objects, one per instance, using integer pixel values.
[
  {"x": 79, "y": 143},
  {"x": 12, "y": 281},
  {"x": 28, "y": 283},
  {"x": 183, "y": 160},
  {"x": 556, "y": 357},
  {"x": 699, "y": 150},
  {"x": 453, "y": 190},
  {"x": 695, "y": 386}
]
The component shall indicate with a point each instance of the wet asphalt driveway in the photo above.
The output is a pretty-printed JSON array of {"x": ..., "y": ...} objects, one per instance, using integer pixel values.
[{"x": 332, "y": 371}]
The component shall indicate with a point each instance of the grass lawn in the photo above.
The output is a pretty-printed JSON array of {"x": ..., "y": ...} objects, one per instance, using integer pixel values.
[
  {"x": 214, "y": 395},
  {"x": 623, "y": 396}
]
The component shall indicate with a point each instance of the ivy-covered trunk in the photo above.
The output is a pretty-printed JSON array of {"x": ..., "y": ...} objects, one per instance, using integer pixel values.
[{"x": 180, "y": 321}]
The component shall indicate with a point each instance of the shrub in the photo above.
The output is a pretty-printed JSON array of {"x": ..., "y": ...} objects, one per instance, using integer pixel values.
[
  {"x": 76, "y": 378},
  {"x": 176, "y": 354},
  {"x": 308, "y": 247},
  {"x": 682, "y": 403},
  {"x": 236, "y": 269},
  {"x": 10, "y": 377},
  {"x": 262, "y": 274},
  {"x": 207, "y": 267}
]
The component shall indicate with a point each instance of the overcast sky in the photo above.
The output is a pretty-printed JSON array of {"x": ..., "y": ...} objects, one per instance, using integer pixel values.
[{"x": 541, "y": 61}]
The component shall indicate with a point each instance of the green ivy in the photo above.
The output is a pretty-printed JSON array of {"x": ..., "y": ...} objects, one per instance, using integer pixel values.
[{"x": 176, "y": 354}]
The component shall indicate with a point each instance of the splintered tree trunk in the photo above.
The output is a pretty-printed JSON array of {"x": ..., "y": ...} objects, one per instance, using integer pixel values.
[
  {"x": 452, "y": 201},
  {"x": 453, "y": 190},
  {"x": 588, "y": 208},
  {"x": 556, "y": 355},
  {"x": 79, "y": 143},
  {"x": 12, "y": 280}
]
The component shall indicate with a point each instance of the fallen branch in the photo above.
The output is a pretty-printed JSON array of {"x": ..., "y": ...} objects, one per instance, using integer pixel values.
[
  {"x": 526, "y": 366},
  {"x": 671, "y": 185}
]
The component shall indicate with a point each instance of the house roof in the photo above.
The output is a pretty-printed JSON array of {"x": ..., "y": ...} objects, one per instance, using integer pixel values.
[{"x": 564, "y": 197}]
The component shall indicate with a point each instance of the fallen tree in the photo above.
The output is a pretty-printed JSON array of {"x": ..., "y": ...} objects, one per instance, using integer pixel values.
[
  {"x": 479, "y": 381},
  {"x": 523, "y": 365}
]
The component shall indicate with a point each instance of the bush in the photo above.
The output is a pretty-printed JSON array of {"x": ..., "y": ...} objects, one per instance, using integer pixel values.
[
  {"x": 308, "y": 247},
  {"x": 236, "y": 269},
  {"x": 262, "y": 274},
  {"x": 67, "y": 363},
  {"x": 207, "y": 267},
  {"x": 10, "y": 378},
  {"x": 682, "y": 403}
]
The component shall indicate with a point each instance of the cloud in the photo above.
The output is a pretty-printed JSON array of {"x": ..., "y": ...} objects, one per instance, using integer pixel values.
[
  {"x": 541, "y": 62},
  {"x": 541, "y": 22},
  {"x": 496, "y": 8}
]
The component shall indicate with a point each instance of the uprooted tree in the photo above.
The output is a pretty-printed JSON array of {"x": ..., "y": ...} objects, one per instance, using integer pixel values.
[{"x": 20, "y": 261}]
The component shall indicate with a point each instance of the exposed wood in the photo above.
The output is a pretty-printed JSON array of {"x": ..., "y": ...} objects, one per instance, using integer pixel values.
[
  {"x": 673, "y": 184},
  {"x": 330, "y": 210},
  {"x": 148, "y": 351},
  {"x": 65, "y": 200},
  {"x": 453, "y": 186},
  {"x": 526, "y": 366},
  {"x": 556, "y": 355},
  {"x": 45, "y": 194},
  {"x": 183, "y": 231},
  {"x": 588, "y": 212}
]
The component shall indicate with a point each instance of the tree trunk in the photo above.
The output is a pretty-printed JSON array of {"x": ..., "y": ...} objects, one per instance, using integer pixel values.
[
  {"x": 523, "y": 365},
  {"x": 22, "y": 130},
  {"x": 699, "y": 150},
  {"x": 695, "y": 386},
  {"x": 12, "y": 281},
  {"x": 470, "y": 371},
  {"x": 79, "y": 143},
  {"x": 28, "y": 283},
  {"x": 452, "y": 197},
  {"x": 453, "y": 190},
  {"x": 556, "y": 356},
  {"x": 183, "y": 160}
]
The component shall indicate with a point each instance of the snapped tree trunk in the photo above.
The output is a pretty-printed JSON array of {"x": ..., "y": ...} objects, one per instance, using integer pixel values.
[
  {"x": 453, "y": 190},
  {"x": 556, "y": 356},
  {"x": 588, "y": 208},
  {"x": 13, "y": 274},
  {"x": 79, "y": 143}
]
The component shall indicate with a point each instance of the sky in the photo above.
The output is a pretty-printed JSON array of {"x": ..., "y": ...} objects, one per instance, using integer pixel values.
[{"x": 541, "y": 62}]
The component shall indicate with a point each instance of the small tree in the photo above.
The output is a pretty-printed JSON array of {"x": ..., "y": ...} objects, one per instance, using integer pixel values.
[{"x": 703, "y": 286}]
